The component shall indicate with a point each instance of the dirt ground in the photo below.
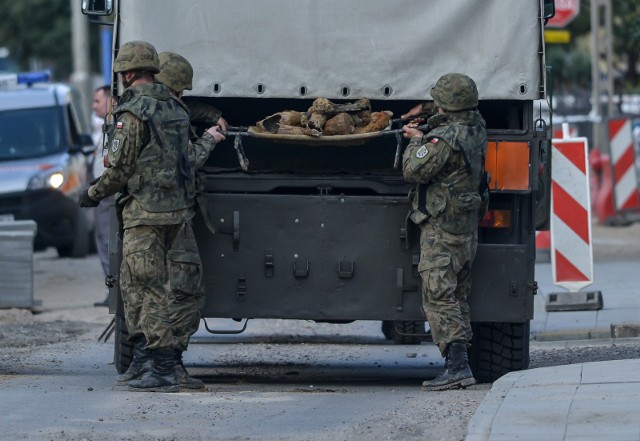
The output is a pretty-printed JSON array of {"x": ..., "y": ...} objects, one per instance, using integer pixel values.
[{"x": 65, "y": 290}]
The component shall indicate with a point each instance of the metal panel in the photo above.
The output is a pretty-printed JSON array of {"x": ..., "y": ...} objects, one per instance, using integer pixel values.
[
  {"x": 306, "y": 238},
  {"x": 503, "y": 284},
  {"x": 358, "y": 265}
]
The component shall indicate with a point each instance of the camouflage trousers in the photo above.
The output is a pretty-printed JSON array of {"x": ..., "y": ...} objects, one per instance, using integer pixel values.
[
  {"x": 445, "y": 269},
  {"x": 161, "y": 284}
]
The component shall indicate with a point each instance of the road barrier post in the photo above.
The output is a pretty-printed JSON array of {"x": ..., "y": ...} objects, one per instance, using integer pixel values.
[{"x": 571, "y": 245}]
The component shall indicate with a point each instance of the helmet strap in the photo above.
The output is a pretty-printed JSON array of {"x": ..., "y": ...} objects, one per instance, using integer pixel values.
[{"x": 127, "y": 83}]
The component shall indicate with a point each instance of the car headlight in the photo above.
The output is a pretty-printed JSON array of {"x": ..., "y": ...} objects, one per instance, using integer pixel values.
[
  {"x": 56, "y": 180},
  {"x": 52, "y": 179}
]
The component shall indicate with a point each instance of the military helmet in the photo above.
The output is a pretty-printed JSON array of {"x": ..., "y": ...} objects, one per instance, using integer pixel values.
[
  {"x": 137, "y": 55},
  {"x": 454, "y": 92},
  {"x": 175, "y": 71}
]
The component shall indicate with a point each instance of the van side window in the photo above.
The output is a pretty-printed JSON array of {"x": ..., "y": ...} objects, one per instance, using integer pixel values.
[{"x": 74, "y": 132}]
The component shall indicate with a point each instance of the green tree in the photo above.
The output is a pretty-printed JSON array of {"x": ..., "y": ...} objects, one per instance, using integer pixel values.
[
  {"x": 572, "y": 62},
  {"x": 38, "y": 32},
  {"x": 571, "y": 68},
  {"x": 626, "y": 42}
]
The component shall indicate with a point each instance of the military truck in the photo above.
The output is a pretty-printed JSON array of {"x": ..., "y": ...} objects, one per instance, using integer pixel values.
[{"x": 316, "y": 230}]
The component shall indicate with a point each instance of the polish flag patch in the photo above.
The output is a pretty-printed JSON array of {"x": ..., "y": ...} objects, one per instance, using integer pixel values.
[{"x": 119, "y": 125}]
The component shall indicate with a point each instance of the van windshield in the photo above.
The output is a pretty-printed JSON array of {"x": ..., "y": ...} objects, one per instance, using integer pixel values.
[{"x": 30, "y": 133}]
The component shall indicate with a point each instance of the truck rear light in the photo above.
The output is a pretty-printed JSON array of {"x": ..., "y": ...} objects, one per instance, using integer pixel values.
[
  {"x": 508, "y": 164},
  {"x": 496, "y": 219}
]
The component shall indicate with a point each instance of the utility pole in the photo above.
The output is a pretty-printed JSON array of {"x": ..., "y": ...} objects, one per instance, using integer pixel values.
[
  {"x": 81, "y": 77},
  {"x": 601, "y": 71}
]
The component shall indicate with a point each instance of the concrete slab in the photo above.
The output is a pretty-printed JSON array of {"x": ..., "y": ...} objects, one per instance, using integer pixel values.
[
  {"x": 625, "y": 330},
  {"x": 574, "y": 301},
  {"x": 589, "y": 401}
]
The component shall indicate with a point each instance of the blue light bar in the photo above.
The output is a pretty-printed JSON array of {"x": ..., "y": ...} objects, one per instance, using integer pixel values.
[{"x": 34, "y": 77}]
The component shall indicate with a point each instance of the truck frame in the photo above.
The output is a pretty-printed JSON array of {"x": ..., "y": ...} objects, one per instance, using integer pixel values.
[{"x": 318, "y": 231}]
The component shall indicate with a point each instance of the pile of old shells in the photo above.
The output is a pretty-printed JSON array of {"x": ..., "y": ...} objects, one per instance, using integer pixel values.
[{"x": 326, "y": 118}]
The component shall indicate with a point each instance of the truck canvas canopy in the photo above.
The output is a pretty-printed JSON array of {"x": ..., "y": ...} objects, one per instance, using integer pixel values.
[{"x": 272, "y": 49}]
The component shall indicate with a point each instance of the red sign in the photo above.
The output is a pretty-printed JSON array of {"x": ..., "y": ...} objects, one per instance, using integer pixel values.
[{"x": 566, "y": 11}]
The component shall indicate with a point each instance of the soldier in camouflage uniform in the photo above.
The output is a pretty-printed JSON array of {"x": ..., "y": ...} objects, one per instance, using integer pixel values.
[
  {"x": 150, "y": 169},
  {"x": 177, "y": 74},
  {"x": 447, "y": 167}
]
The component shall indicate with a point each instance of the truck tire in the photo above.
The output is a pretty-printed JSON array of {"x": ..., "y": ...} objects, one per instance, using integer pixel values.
[
  {"x": 79, "y": 247},
  {"x": 498, "y": 348},
  {"x": 123, "y": 349},
  {"x": 396, "y": 330}
]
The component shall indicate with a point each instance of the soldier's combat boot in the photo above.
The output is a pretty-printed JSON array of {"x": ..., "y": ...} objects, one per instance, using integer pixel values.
[
  {"x": 162, "y": 377},
  {"x": 141, "y": 362},
  {"x": 457, "y": 373},
  {"x": 184, "y": 379}
]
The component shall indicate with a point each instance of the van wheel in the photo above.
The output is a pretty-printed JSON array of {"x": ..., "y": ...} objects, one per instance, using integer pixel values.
[
  {"x": 80, "y": 246},
  {"x": 123, "y": 348},
  {"x": 404, "y": 332},
  {"x": 498, "y": 348}
]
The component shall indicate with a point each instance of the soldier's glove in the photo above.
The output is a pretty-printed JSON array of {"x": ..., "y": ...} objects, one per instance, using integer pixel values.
[{"x": 87, "y": 201}]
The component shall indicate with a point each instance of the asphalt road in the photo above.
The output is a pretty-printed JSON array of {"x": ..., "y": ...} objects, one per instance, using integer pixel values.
[{"x": 281, "y": 380}]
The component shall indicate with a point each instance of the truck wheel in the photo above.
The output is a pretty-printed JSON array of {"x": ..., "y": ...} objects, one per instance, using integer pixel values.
[
  {"x": 397, "y": 330},
  {"x": 123, "y": 349},
  {"x": 498, "y": 348},
  {"x": 80, "y": 246}
]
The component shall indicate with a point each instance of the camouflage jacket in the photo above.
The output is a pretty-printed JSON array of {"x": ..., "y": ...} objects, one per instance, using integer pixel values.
[
  {"x": 447, "y": 165},
  {"x": 201, "y": 112},
  {"x": 131, "y": 136},
  {"x": 162, "y": 178}
]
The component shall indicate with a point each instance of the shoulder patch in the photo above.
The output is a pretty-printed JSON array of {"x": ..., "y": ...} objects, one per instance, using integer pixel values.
[
  {"x": 422, "y": 152},
  {"x": 434, "y": 140},
  {"x": 119, "y": 125},
  {"x": 115, "y": 145}
]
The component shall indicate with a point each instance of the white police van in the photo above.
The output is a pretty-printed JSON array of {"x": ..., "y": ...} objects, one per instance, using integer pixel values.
[{"x": 45, "y": 151}]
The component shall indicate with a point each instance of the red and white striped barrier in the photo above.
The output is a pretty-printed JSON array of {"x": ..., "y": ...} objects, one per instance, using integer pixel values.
[
  {"x": 625, "y": 180},
  {"x": 571, "y": 246}
]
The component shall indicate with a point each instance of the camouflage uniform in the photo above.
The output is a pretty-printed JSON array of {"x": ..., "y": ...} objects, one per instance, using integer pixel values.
[
  {"x": 202, "y": 113},
  {"x": 161, "y": 276},
  {"x": 176, "y": 73},
  {"x": 446, "y": 205}
]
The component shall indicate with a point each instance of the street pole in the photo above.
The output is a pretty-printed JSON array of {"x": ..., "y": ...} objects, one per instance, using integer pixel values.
[
  {"x": 81, "y": 77},
  {"x": 601, "y": 66},
  {"x": 609, "y": 57}
]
